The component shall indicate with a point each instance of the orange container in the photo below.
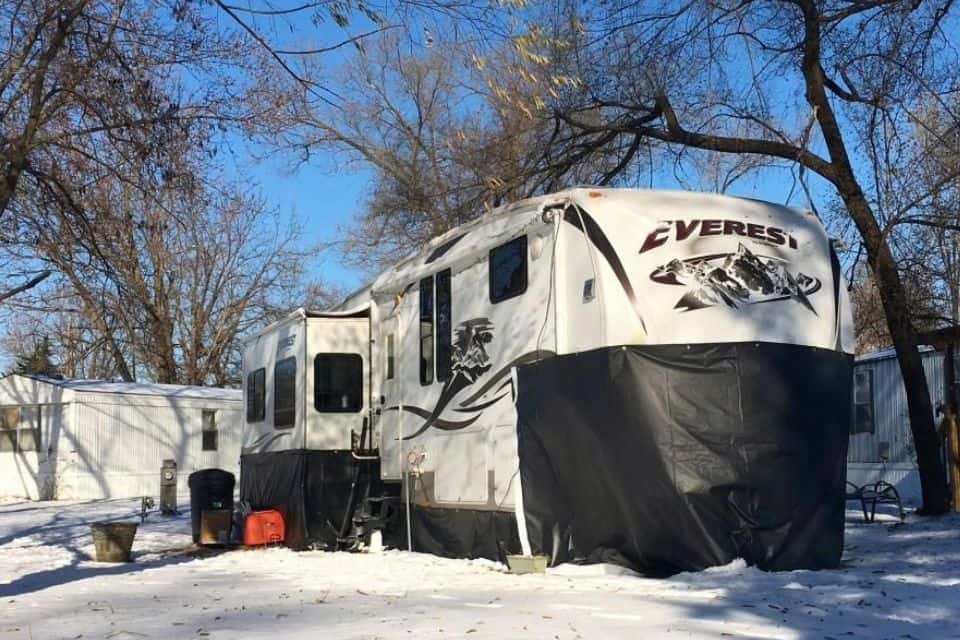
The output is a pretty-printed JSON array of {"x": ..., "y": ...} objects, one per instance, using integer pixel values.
[{"x": 263, "y": 527}]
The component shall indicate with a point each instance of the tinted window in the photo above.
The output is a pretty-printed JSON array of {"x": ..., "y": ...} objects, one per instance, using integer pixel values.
[
  {"x": 862, "y": 402},
  {"x": 29, "y": 429},
  {"x": 437, "y": 253},
  {"x": 284, "y": 393},
  {"x": 508, "y": 270},
  {"x": 9, "y": 418},
  {"x": 444, "y": 325},
  {"x": 256, "y": 395},
  {"x": 8, "y": 440},
  {"x": 20, "y": 428},
  {"x": 338, "y": 382},
  {"x": 426, "y": 330},
  {"x": 9, "y": 421},
  {"x": 209, "y": 430},
  {"x": 391, "y": 357}
]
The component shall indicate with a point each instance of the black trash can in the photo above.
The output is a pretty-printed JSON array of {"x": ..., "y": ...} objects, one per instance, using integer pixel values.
[{"x": 209, "y": 489}]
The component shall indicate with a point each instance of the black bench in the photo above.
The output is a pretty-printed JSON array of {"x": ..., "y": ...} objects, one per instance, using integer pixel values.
[{"x": 872, "y": 494}]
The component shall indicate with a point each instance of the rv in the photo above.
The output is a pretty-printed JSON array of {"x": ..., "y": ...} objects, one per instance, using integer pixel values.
[{"x": 657, "y": 378}]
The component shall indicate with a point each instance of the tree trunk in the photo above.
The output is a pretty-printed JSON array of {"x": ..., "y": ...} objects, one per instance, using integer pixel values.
[
  {"x": 164, "y": 359},
  {"x": 933, "y": 479}
]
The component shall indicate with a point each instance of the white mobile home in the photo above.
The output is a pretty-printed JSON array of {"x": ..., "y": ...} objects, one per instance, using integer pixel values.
[
  {"x": 881, "y": 443},
  {"x": 663, "y": 377},
  {"x": 84, "y": 439}
]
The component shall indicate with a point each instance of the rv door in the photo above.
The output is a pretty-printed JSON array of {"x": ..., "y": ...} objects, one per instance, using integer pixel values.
[{"x": 337, "y": 414}]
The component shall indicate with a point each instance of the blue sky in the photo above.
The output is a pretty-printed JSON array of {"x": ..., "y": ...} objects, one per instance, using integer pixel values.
[
  {"x": 323, "y": 200},
  {"x": 326, "y": 196}
]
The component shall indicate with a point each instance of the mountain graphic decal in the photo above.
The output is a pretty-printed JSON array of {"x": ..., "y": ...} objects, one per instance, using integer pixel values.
[
  {"x": 469, "y": 361},
  {"x": 735, "y": 279}
]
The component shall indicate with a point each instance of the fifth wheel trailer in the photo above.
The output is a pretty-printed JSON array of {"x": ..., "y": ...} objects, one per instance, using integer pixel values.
[{"x": 657, "y": 378}]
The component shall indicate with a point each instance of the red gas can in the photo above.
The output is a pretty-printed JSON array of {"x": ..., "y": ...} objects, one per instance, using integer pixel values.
[{"x": 263, "y": 527}]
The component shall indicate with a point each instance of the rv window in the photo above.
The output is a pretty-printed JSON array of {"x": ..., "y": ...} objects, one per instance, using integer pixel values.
[
  {"x": 438, "y": 253},
  {"x": 209, "y": 430},
  {"x": 284, "y": 393},
  {"x": 444, "y": 326},
  {"x": 391, "y": 357},
  {"x": 426, "y": 330},
  {"x": 338, "y": 383},
  {"x": 508, "y": 270},
  {"x": 862, "y": 402},
  {"x": 256, "y": 395}
]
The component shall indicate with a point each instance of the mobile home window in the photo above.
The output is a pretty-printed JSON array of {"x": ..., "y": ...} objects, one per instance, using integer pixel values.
[
  {"x": 338, "y": 382},
  {"x": 28, "y": 436},
  {"x": 391, "y": 357},
  {"x": 284, "y": 393},
  {"x": 508, "y": 270},
  {"x": 444, "y": 326},
  {"x": 20, "y": 429},
  {"x": 862, "y": 402},
  {"x": 426, "y": 330},
  {"x": 256, "y": 395},
  {"x": 9, "y": 421},
  {"x": 209, "y": 430}
]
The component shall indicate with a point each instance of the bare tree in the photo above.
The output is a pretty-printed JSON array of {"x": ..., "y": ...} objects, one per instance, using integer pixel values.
[
  {"x": 924, "y": 236},
  {"x": 91, "y": 88},
  {"x": 827, "y": 88},
  {"x": 447, "y": 137},
  {"x": 869, "y": 322},
  {"x": 168, "y": 280}
]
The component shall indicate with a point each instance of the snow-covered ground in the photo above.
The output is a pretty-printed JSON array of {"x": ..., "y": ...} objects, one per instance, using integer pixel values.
[{"x": 897, "y": 581}]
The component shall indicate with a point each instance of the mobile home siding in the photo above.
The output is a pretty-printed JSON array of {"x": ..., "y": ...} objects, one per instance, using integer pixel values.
[
  {"x": 110, "y": 442},
  {"x": 892, "y": 426},
  {"x": 119, "y": 443},
  {"x": 890, "y": 414}
]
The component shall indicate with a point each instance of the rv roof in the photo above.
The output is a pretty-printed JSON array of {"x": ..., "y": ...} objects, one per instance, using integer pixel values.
[
  {"x": 359, "y": 311},
  {"x": 447, "y": 249}
]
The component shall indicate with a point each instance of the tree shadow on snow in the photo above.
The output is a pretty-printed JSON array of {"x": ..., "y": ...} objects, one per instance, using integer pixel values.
[
  {"x": 83, "y": 568},
  {"x": 69, "y": 530},
  {"x": 58, "y": 528},
  {"x": 885, "y": 588}
]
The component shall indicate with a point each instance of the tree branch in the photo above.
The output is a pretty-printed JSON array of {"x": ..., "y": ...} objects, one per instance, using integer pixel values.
[{"x": 29, "y": 284}]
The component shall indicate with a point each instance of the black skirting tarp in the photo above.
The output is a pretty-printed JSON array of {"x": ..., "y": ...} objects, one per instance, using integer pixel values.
[
  {"x": 310, "y": 488},
  {"x": 458, "y": 533},
  {"x": 679, "y": 457}
]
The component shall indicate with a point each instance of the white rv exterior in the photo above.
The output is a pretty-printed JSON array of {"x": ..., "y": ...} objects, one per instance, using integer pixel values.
[
  {"x": 433, "y": 344},
  {"x": 293, "y": 347},
  {"x": 648, "y": 232},
  {"x": 87, "y": 439},
  {"x": 440, "y": 334}
]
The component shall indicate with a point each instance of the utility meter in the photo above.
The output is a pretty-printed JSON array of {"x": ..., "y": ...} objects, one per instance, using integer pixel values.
[{"x": 168, "y": 487}]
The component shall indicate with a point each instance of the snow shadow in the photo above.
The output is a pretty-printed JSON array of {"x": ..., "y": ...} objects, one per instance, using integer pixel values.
[
  {"x": 60, "y": 528},
  {"x": 82, "y": 570},
  {"x": 896, "y": 581},
  {"x": 58, "y": 540}
]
